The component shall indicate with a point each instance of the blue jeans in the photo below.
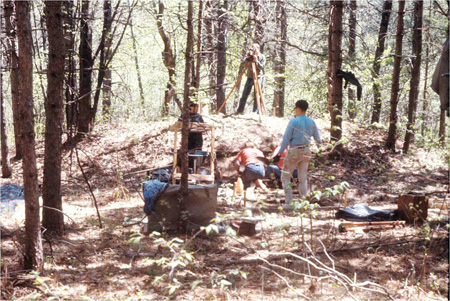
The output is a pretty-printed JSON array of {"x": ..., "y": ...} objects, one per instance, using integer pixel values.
[
  {"x": 247, "y": 89},
  {"x": 252, "y": 172},
  {"x": 274, "y": 172}
]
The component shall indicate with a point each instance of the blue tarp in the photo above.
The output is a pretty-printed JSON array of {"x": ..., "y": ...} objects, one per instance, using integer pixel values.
[
  {"x": 152, "y": 191},
  {"x": 11, "y": 196}
]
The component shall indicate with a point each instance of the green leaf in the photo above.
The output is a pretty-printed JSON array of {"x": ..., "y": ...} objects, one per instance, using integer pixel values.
[
  {"x": 195, "y": 283},
  {"x": 215, "y": 228},
  {"x": 225, "y": 282},
  {"x": 230, "y": 231},
  {"x": 172, "y": 289},
  {"x": 38, "y": 281}
]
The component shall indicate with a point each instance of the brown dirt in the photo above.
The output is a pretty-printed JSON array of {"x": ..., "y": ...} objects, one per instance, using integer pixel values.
[{"x": 101, "y": 264}]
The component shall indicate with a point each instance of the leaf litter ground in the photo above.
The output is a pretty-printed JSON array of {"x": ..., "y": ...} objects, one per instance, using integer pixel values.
[{"x": 409, "y": 263}]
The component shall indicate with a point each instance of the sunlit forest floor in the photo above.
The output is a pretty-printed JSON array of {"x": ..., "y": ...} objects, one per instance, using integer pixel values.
[{"x": 89, "y": 262}]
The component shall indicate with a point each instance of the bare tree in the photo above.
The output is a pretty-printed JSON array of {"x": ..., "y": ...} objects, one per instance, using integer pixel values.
[
  {"x": 334, "y": 64},
  {"x": 86, "y": 111},
  {"x": 71, "y": 76},
  {"x": 86, "y": 63},
  {"x": 34, "y": 258},
  {"x": 210, "y": 32},
  {"x": 169, "y": 62},
  {"x": 221, "y": 55},
  {"x": 415, "y": 73},
  {"x": 258, "y": 18},
  {"x": 105, "y": 56},
  {"x": 392, "y": 133},
  {"x": 105, "y": 53},
  {"x": 351, "y": 106},
  {"x": 199, "y": 46},
  {"x": 13, "y": 63},
  {"x": 6, "y": 164},
  {"x": 52, "y": 216},
  {"x": 138, "y": 70},
  {"x": 387, "y": 7},
  {"x": 280, "y": 58},
  {"x": 189, "y": 56}
]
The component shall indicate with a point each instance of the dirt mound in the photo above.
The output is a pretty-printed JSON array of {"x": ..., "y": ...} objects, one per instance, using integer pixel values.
[{"x": 103, "y": 264}]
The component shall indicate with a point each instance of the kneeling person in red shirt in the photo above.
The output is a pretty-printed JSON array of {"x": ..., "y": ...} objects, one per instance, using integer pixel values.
[{"x": 254, "y": 168}]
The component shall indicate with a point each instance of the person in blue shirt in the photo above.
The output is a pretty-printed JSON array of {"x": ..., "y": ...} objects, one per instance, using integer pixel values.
[{"x": 298, "y": 138}]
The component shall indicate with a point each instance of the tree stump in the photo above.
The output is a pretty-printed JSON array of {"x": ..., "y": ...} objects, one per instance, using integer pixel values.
[{"x": 414, "y": 208}]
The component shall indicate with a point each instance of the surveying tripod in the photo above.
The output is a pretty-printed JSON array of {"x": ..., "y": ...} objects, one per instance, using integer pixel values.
[{"x": 258, "y": 92}]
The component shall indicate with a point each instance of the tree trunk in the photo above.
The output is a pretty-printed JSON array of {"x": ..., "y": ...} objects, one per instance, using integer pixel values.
[
  {"x": 138, "y": 70},
  {"x": 392, "y": 133},
  {"x": 34, "y": 258},
  {"x": 387, "y": 7},
  {"x": 189, "y": 56},
  {"x": 39, "y": 24},
  {"x": 439, "y": 84},
  {"x": 221, "y": 55},
  {"x": 425, "y": 84},
  {"x": 351, "y": 105},
  {"x": 169, "y": 62},
  {"x": 53, "y": 220},
  {"x": 442, "y": 128},
  {"x": 86, "y": 63},
  {"x": 210, "y": 53},
  {"x": 6, "y": 165},
  {"x": 415, "y": 73},
  {"x": 258, "y": 18},
  {"x": 199, "y": 46},
  {"x": 71, "y": 83},
  {"x": 280, "y": 59},
  {"x": 106, "y": 32},
  {"x": 13, "y": 62},
  {"x": 106, "y": 88},
  {"x": 334, "y": 64}
]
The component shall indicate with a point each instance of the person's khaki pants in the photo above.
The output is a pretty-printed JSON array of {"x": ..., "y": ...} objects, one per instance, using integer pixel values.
[{"x": 296, "y": 158}]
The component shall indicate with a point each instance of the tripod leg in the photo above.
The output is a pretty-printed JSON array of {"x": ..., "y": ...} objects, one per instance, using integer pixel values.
[
  {"x": 235, "y": 85},
  {"x": 261, "y": 97},
  {"x": 257, "y": 87}
]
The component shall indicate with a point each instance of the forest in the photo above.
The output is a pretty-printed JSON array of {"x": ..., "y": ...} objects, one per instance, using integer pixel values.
[{"x": 103, "y": 196}]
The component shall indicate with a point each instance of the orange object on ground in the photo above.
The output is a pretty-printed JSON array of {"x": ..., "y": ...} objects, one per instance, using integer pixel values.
[{"x": 239, "y": 186}]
